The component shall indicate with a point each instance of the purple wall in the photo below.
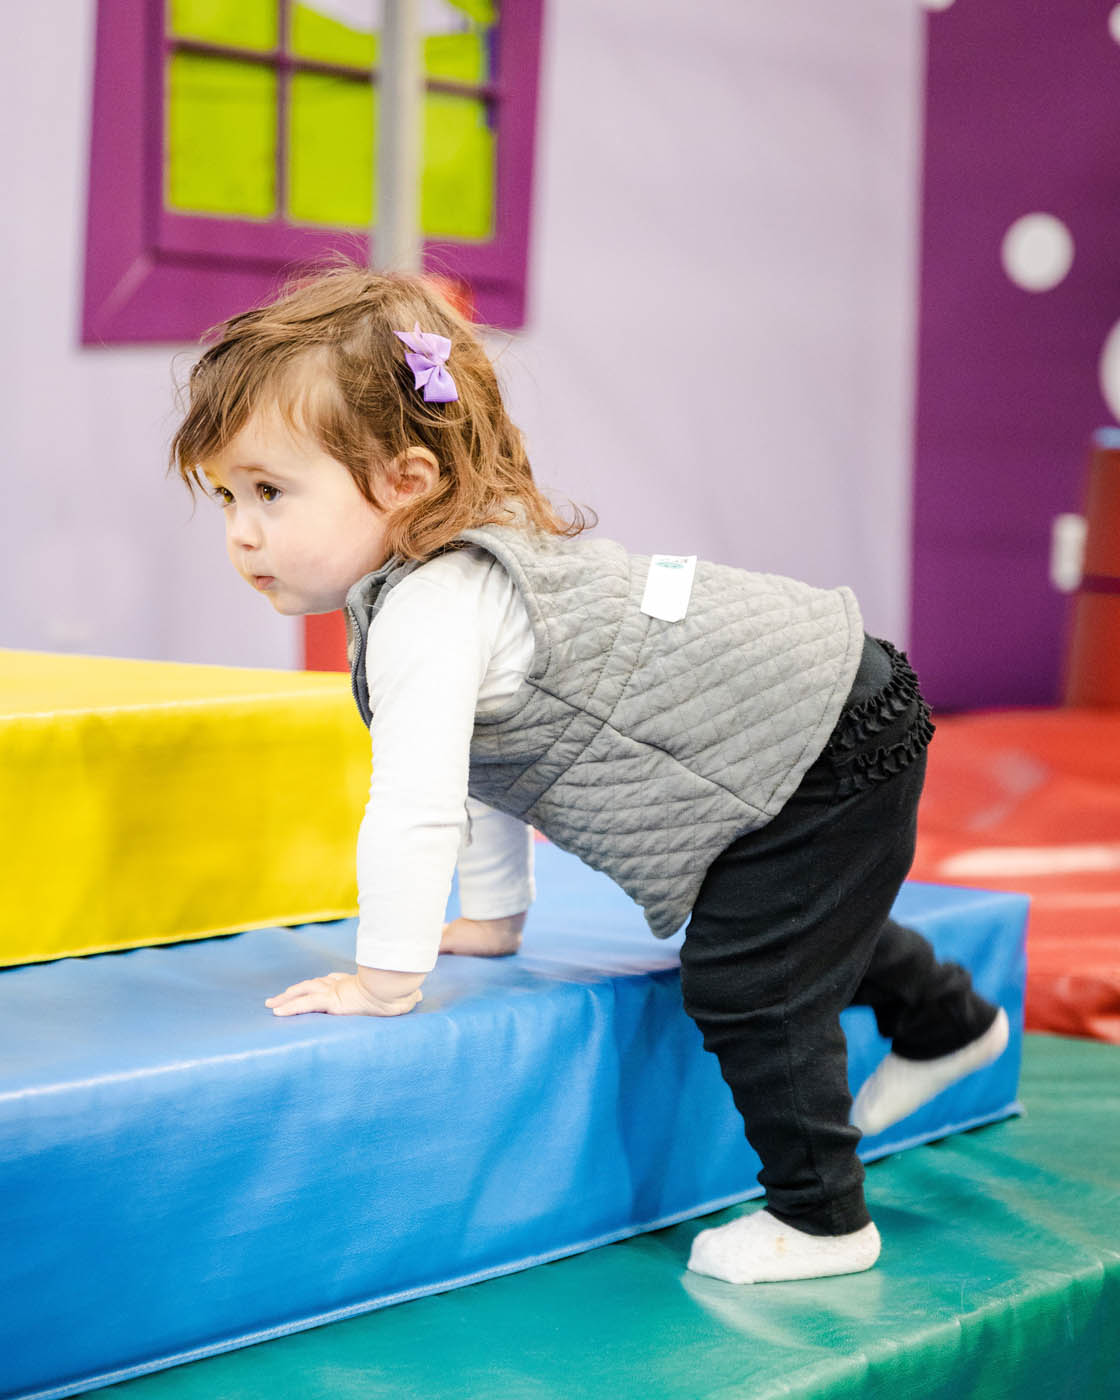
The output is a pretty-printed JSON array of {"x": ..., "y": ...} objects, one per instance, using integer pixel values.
[{"x": 1023, "y": 116}]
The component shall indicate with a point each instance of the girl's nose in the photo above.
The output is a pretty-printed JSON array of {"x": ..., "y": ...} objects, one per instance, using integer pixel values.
[{"x": 242, "y": 528}]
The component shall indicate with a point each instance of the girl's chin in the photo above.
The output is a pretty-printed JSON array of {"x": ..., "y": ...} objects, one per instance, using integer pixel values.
[
  {"x": 296, "y": 607},
  {"x": 291, "y": 603},
  {"x": 287, "y": 605}
]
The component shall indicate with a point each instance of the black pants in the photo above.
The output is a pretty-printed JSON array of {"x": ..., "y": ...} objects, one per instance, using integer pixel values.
[{"x": 792, "y": 924}]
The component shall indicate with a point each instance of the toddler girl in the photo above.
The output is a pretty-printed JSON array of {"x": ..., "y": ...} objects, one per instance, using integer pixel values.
[{"x": 729, "y": 746}]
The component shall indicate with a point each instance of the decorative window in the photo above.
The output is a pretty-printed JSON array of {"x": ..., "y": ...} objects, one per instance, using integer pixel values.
[{"x": 233, "y": 139}]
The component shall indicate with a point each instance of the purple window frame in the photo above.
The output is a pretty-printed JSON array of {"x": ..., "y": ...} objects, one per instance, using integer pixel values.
[{"x": 155, "y": 275}]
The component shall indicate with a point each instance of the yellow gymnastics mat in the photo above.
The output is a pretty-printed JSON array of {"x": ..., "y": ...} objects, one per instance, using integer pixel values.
[{"x": 147, "y": 802}]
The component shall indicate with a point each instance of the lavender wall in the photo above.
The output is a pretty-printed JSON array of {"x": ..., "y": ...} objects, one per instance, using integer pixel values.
[
  {"x": 719, "y": 352},
  {"x": 1022, "y": 104},
  {"x": 98, "y": 552}
]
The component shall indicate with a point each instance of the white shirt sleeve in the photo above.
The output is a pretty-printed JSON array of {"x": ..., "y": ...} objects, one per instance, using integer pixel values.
[
  {"x": 495, "y": 864},
  {"x": 426, "y": 657},
  {"x": 450, "y": 637}
]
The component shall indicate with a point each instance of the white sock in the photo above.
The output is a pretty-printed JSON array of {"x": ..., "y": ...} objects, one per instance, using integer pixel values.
[
  {"x": 899, "y": 1086},
  {"x": 759, "y": 1248}
]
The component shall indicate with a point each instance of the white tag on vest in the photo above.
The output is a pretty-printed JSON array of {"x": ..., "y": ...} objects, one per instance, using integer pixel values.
[{"x": 669, "y": 586}]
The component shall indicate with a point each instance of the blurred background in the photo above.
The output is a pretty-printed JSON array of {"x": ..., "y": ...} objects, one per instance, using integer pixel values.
[{"x": 826, "y": 290}]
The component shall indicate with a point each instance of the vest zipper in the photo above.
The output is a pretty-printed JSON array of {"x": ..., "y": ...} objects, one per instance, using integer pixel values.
[{"x": 359, "y": 659}]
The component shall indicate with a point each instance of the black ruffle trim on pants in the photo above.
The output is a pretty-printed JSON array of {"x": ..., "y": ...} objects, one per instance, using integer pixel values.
[{"x": 897, "y": 715}]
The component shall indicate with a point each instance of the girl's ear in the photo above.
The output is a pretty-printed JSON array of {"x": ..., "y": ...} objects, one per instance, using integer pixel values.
[{"x": 414, "y": 473}]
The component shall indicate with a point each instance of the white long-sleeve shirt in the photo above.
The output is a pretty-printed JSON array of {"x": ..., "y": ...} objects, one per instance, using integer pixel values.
[{"x": 452, "y": 637}]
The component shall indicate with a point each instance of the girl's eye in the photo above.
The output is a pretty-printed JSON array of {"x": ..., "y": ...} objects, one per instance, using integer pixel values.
[
  {"x": 268, "y": 493},
  {"x": 222, "y": 495}
]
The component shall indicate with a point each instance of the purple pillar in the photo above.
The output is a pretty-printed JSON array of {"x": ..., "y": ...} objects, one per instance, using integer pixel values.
[{"x": 1021, "y": 118}]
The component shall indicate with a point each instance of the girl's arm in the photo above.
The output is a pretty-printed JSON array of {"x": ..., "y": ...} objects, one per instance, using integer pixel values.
[
  {"x": 427, "y": 654},
  {"x": 495, "y": 884}
]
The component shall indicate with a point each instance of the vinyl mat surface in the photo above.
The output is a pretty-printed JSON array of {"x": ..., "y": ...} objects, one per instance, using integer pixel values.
[{"x": 1000, "y": 1277}]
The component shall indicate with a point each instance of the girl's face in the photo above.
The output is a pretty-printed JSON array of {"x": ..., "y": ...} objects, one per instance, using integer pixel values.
[{"x": 297, "y": 527}]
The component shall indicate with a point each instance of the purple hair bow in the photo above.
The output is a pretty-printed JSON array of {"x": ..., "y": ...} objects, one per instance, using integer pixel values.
[{"x": 427, "y": 358}]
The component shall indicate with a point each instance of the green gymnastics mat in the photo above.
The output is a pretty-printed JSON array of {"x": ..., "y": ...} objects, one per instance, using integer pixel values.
[{"x": 1000, "y": 1277}]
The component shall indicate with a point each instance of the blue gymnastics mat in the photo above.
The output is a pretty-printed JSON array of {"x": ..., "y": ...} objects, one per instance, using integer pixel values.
[{"x": 181, "y": 1173}]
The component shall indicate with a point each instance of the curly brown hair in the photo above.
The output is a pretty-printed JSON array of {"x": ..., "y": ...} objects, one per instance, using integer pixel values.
[{"x": 325, "y": 354}]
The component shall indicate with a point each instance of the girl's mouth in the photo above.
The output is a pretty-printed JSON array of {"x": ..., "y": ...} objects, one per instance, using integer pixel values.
[{"x": 263, "y": 581}]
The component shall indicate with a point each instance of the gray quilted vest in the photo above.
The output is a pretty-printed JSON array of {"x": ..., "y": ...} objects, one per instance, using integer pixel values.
[{"x": 646, "y": 747}]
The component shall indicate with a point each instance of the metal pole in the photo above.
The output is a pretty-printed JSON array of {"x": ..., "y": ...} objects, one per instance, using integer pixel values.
[{"x": 395, "y": 243}]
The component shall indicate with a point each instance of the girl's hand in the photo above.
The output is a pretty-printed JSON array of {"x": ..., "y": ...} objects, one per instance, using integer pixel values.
[
  {"x": 368, "y": 992},
  {"x": 483, "y": 938}
]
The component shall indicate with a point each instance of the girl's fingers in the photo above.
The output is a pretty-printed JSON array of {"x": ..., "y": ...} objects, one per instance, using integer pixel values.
[
  {"x": 308, "y": 1001},
  {"x": 282, "y": 997},
  {"x": 298, "y": 987},
  {"x": 312, "y": 987}
]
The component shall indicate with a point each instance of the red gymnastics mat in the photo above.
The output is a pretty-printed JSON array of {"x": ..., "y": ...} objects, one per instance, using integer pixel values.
[{"x": 1029, "y": 800}]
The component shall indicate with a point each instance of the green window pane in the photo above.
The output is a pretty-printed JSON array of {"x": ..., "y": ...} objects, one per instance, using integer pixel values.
[
  {"x": 483, "y": 12},
  {"x": 455, "y": 45},
  {"x": 457, "y": 192},
  {"x": 330, "y": 141},
  {"x": 461, "y": 54},
  {"x": 250, "y": 24},
  {"x": 331, "y": 178},
  {"x": 464, "y": 57},
  {"x": 221, "y": 137},
  {"x": 314, "y": 35}
]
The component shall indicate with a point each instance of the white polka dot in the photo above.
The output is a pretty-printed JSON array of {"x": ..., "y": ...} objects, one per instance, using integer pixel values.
[
  {"x": 937, "y": 4},
  {"x": 1037, "y": 252},
  {"x": 1110, "y": 371},
  {"x": 1114, "y": 23}
]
